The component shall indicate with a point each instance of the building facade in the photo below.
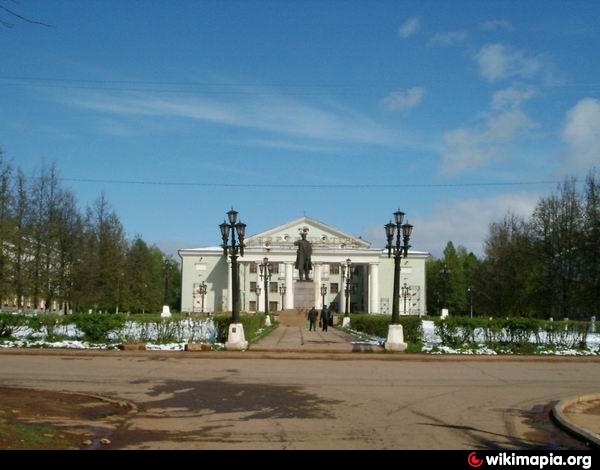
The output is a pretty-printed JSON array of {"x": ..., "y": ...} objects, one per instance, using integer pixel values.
[{"x": 372, "y": 274}]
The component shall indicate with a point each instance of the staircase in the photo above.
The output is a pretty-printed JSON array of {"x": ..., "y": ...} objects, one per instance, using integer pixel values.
[{"x": 292, "y": 317}]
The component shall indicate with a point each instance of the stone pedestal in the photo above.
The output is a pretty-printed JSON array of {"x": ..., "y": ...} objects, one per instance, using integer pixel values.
[
  {"x": 235, "y": 338},
  {"x": 346, "y": 322},
  {"x": 395, "y": 339},
  {"x": 304, "y": 294},
  {"x": 166, "y": 312},
  {"x": 445, "y": 313},
  {"x": 268, "y": 320}
]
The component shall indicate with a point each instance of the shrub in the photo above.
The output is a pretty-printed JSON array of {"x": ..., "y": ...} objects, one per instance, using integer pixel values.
[
  {"x": 47, "y": 324},
  {"x": 97, "y": 326},
  {"x": 377, "y": 325},
  {"x": 10, "y": 323}
]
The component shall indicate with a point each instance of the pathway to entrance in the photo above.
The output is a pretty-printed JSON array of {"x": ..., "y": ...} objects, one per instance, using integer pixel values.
[{"x": 292, "y": 335}]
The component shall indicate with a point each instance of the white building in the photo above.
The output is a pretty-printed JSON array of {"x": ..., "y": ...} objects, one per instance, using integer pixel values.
[{"x": 372, "y": 273}]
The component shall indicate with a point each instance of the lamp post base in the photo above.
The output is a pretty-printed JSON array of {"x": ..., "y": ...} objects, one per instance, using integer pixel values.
[
  {"x": 166, "y": 312},
  {"x": 268, "y": 320},
  {"x": 395, "y": 339},
  {"x": 445, "y": 313},
  {"x": 345, "y": 322},
  {"x": 236, "y": 340}
]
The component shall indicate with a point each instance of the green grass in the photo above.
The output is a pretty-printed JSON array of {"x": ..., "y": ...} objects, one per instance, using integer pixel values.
[{"x": 17, "y": 435}]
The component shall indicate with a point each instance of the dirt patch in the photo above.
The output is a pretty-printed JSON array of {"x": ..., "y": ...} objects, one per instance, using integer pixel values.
[{"x": 37, "y": 419}]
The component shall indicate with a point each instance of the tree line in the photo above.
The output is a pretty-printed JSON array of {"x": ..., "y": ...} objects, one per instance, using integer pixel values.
[
  {"x": 547, "y": 265},
  {"x": 55, "y": 256}
]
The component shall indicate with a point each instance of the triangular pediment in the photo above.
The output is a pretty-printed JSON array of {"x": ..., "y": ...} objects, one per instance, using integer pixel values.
[{"x": 318, "y": 233}]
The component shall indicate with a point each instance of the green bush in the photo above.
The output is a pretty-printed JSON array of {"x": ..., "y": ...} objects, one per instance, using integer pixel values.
[
  {"x": 47, "y": 324},
  {"x": 10, "y": 323},
  {"x": 517, "y": 334},
  {"x": 377, "y": 325},
  {"x": 97, "y": 326}
]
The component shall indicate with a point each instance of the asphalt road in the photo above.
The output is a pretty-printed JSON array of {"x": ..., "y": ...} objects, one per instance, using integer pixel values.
[{"x": 193, "y": 402}]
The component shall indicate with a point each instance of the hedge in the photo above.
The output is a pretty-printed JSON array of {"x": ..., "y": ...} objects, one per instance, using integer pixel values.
[
  {"x": 514, "y": 331},
  {"x": 377, "y": 325}
]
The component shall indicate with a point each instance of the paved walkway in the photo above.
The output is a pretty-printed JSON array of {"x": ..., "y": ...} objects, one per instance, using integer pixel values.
[
  {"x": 299, "y": 339},
  {"x": 585, "y": 414},
  {"x": 292, "y": 335}
]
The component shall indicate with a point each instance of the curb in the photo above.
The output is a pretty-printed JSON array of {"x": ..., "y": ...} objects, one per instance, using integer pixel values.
[{"x": 560, "y": 419}]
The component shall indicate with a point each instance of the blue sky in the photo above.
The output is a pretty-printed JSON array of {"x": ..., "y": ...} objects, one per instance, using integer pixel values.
[{"x": 344, "y": 95}]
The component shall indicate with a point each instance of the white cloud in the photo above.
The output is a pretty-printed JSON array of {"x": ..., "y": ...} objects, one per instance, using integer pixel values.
[
  {"x": 464, "y": 221},
  {"x": 497, "y": 61},
  {"x": 409, "y": 27},
  {"x": 401, "y": 100},
  {"x": 581, "y": 132},
  {"x": 494, "y": 25},
  {"x": 267, "y": 113},
  {"x": 451, "y": 38},
  {"x": 468, "y": 148}
]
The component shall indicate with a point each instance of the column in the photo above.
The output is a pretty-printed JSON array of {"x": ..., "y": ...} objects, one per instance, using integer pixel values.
[
  {"x": 342, "y": 288},
  {"x": 374, "y": 287},
  {"x": 289, "y": 285},
  {"x": 229, "y": 287},
  {"x": 317, "y": 283}
]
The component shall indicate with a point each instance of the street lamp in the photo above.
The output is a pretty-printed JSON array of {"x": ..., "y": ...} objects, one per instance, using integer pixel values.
[
  {"x": 470, "y": 291},
  {"x": 399, "y": 249},
  {"x": 265, "y": 275},
  {"x": 348, "y": 287},
  {"x": 446, "y": 275},
  {"x": 323, "y": 294},
  {"x": 235, "y": 338},
  {"x": 282, "y": 289},
  {"x": 166, "y": 268},
  {"x": 202, "y": 288}
]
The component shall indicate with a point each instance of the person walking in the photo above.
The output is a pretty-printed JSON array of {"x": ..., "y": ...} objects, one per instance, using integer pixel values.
[
  {"x": 325, "y": 317},
  {"x": 312, "y": 318}
]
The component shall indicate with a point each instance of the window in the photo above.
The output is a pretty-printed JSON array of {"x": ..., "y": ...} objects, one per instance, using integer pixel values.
[
  {"x": 334, "y": 269},
  {"x": 252, "y": 286},
  {"x": 273, "y": 306},
  {"x": 333, "y": 288},
  {"x": 273, "y": 286},
  {"x": 252, "y": 268},
  {"x": 253, "y": 306},
  {"x": 274, "y": 268}
]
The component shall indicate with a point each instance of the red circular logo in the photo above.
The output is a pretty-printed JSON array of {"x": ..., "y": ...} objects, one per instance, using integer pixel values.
[{"x": 473, "y": 460}]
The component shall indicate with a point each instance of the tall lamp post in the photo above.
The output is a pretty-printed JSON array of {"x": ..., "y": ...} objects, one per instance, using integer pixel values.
[
  {"x": 470, "y": 291},
  {"x": 166, "y": 312},
  {"x": 348, "y": 286},
  {"x": 282, "y": 290},
  {"x": 446, "y": 275},
  {"x": 265, "y": 275},
  {"x": 399, "y": 248},
  {"x": 231, "y": 248},
  {"x": 323, "y": 294}
]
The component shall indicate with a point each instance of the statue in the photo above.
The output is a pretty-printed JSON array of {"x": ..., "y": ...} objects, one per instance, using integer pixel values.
[{"x": 303, "y": 261}]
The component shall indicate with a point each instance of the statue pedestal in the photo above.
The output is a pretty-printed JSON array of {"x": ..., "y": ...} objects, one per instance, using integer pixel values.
[
  {"x": 304, "y": 294},
  {"x": 236, "y": 340}
]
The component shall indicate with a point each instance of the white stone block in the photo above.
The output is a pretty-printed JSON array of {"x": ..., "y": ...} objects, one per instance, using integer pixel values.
[
  {"x": 235, "y": 338},
  {"x": 445, "y": 313},
  {"x": 166, "y": 312},
  {"x": 346, "y": 322},
  {"x": 395, "y": 339},
  {"x": 268, "y": 320}
]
